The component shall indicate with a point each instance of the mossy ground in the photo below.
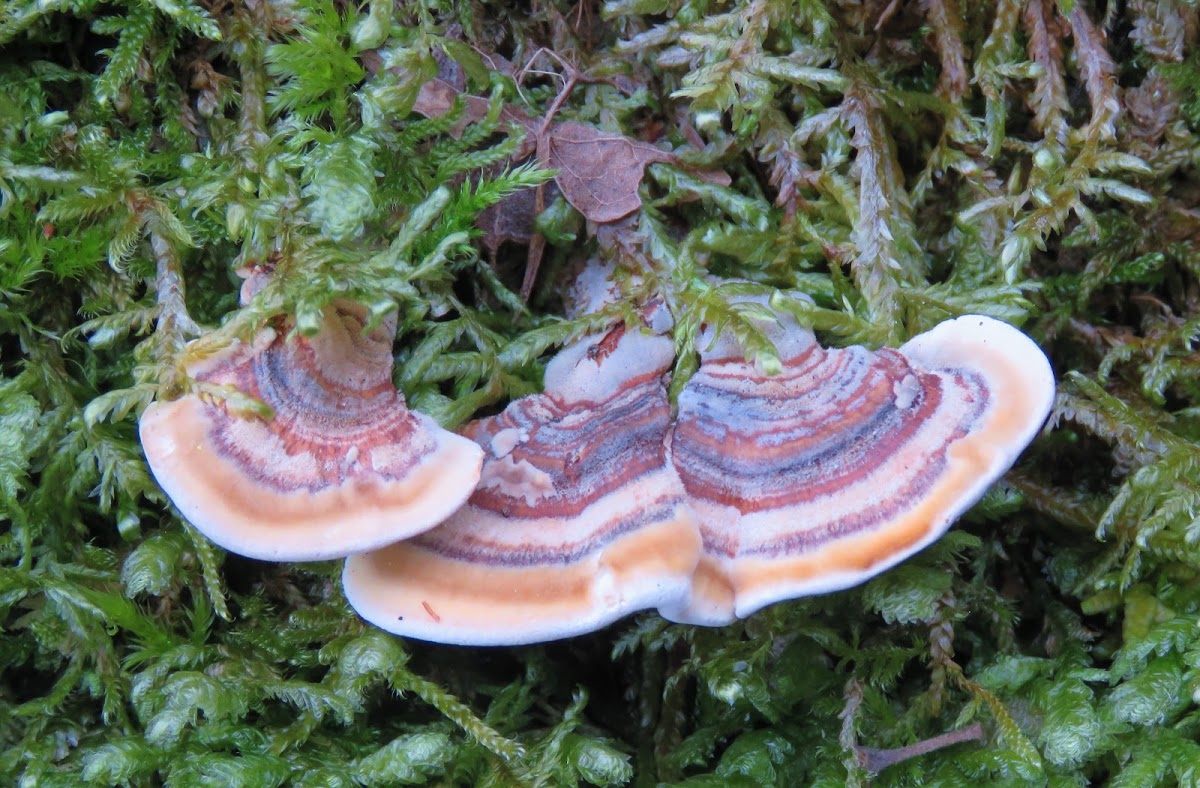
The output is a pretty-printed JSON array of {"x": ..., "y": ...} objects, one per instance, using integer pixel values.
[{"x": 899, "y": 162}]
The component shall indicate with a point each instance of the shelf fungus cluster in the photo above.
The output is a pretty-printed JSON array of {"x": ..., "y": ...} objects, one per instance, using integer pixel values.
[{"x": 594, "y": 499}]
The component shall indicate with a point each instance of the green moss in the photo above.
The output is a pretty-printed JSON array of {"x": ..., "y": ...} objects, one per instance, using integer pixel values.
[{"x": 1032, "y": 161}]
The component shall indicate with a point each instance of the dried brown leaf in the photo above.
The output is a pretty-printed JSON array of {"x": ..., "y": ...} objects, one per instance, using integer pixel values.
[
  {"x": 598, "y": 171},
  {"x": 512, "y": 219},
  {"x": 437, "y": 96}
]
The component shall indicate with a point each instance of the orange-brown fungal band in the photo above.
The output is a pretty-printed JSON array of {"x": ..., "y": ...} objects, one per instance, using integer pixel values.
[
  {"x": 848, "y": 462},
  {"x": 579, "y": 518},
  {"x": 342, "y": 465},
  {"x": 413, "y": 589}
]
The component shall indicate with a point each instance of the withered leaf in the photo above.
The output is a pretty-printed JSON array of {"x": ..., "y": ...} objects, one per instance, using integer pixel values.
[
  {"x": 436, "y": 98},
  {"x": 599, "y": 171},
  {"x": 512, "y": 219}
]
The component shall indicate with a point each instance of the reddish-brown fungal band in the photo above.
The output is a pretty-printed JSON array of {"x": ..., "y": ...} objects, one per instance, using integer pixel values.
[
  {"x": 850, "y": 460},
  {"x": 342, "y": 466},
  {"x": 579, "y": 518}
]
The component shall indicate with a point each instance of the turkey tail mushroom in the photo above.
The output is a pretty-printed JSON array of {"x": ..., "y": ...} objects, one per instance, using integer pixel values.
[
  {"x": 342, "y": 466},
  {"x": 579, "y": 518},
  {"x": 847, "y": 462}
]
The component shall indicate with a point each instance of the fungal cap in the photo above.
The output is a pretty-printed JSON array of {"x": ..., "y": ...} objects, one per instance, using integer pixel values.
[
  {"x": 342, "y": 466},
  {"x": 579, "y": 518},
  {"x": 888, "y": 449}
]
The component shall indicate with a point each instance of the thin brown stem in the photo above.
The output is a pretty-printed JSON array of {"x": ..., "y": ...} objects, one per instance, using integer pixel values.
[{"x": 875, "y": 761}]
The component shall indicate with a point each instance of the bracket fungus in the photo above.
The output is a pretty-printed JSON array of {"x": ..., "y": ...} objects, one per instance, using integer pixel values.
[
  {"x": 849, "y": 461},
  {"x": 579, "y": 518},
  {"x": 594, "y": 502},
  {"x": 342, "y": 465},
  {"x": 577, "y": 506}
]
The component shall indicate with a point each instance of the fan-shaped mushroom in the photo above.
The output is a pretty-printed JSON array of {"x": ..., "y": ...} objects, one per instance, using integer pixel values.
[
  {"x": 850, "y": 460},
  {"x": 342, "y": 466},
  {"x": 579, "y": 517}
]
